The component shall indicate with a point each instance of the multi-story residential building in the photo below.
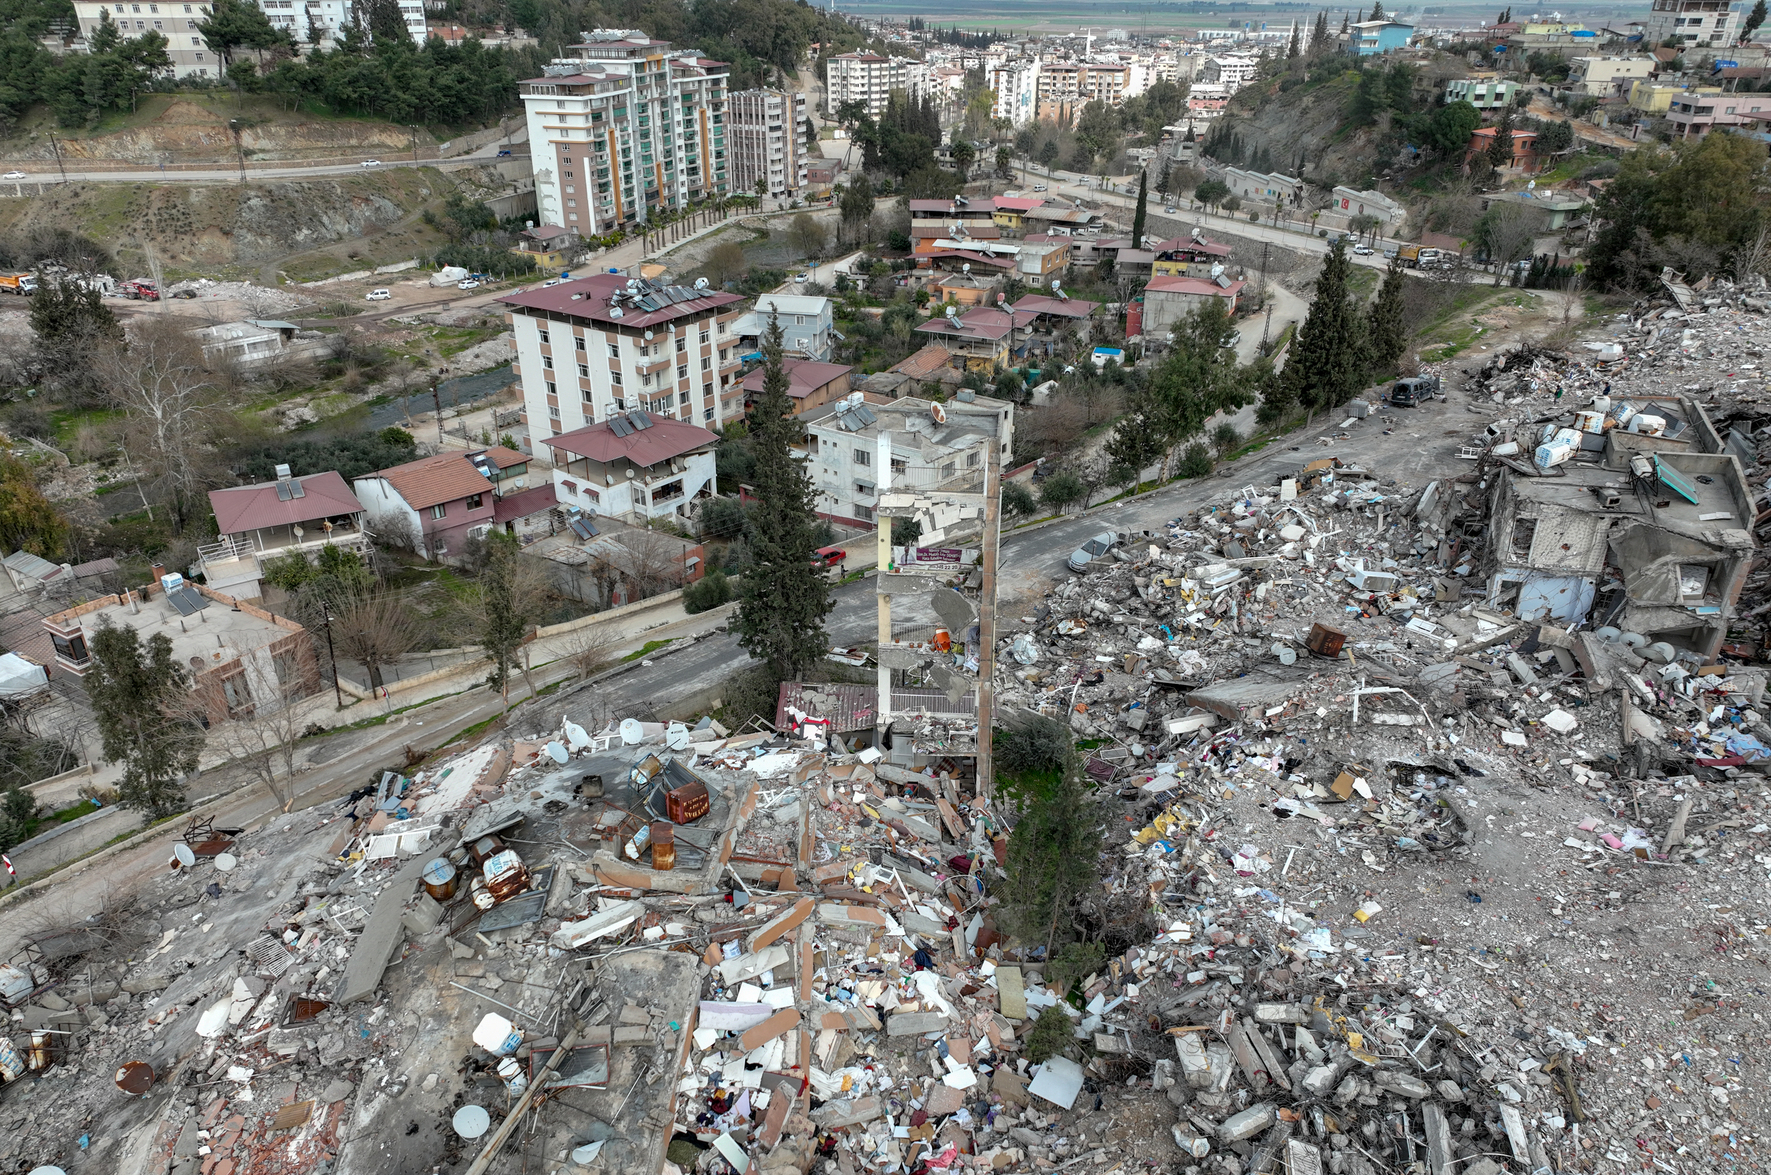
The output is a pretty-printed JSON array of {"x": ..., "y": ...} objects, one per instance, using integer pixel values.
[
  {"x": 1370, "y": 37},
  {"x": 635, "y": 466},
  {"x": 1189, "y": 256},
  {"x": 808, "y": 324},
  {"x": 980, "y": 338},
  {"x": 870, "y": 79},
  {"x": 766, "y": 134},
  {"x": 604, "y": 345},
  {"x": 624, "y": 127},
  {"x": 1607, "y": 77},
  {"x": 932, "y": 447},
  {"x": 1691, "y": 23},
  {"x": 240, "y": 658},
  {"x": 1697, "y": 114},
  {"x": 1016, "y": 85},
  {"x": 1232, "y": 71},
  {"x": 176, "y": 22},
  {"x": 1065, "y": 87},
  {"x": 435, "y": 503},
  {"x": 1484, "y": 93}
]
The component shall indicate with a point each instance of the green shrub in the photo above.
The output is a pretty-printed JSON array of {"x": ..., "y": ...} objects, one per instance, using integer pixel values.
[
  {"x": 1017, "y": 498},
  {"x": 710, "y": 591},
  {"x": 1040, "y": 747},
  {"x": 1196, "y": 461},
  {"x": 1072, "y": 963},
  {"x": 1053, "y": 1035}
]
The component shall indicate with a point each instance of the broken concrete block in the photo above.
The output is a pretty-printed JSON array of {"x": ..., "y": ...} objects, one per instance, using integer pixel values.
[
  {"x": 1439, "y": 1154},
  {"x": 1406, "y": 1084},
  {"x": 914, "y": 1023},
  {"x": 423, "y": 917},
  {"x": 1450, "y": 1091},
  {"x": 1011, "y": 993},
  {"x": 1560, "y": 721},
  {"x": 847, "y": 1112},
  {"x": 1521, "y": 670},
  {"x": 1248, "y": 1123},
  {"x": 1281, "y": 1014},
  {"x": 572, "y": 935},
  {"x": 632, "y": 1034},
  {"x": 784, "y": 1020}
]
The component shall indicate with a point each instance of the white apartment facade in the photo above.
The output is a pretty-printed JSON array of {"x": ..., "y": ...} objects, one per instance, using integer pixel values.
[
  {"x": 625, "y": 127},
  {"x": 870, "y": 79},
  {"x": 1232, "y": 70},
  {"x": 1695, "y": 24},
  {"x": 602, "y": 345},
  {"x": 176, "y": 22},
  {"x": 1016, "y": 85},
  {"x": 766, "y": 137}
]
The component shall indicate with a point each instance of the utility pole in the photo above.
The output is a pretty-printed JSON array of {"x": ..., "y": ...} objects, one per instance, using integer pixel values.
[
  {"x": 413, "y": 127},
  {"x": 436, "y": 395},
  {"x": 55, "y": 145},
  {"x": 332, "y": 656},
  {"x": 1267, "y": 327}
]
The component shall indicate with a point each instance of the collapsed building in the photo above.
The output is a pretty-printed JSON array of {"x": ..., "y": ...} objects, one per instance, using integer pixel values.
[{"x": 1393, "y": 783}]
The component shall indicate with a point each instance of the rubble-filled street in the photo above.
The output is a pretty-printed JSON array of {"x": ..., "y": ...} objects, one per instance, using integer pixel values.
[{"x": 1434, "y": 829}]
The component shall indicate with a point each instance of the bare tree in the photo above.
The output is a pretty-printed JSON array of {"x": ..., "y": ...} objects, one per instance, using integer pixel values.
[
  {"x": 591, "y": 649},
  {"x": 169, "y": 398},
  {"x": 374, "y": 628},
  {"x": 264, "y": 740},
  {"x": 652, "y": 562},
  {"x": 1507, "y": 232},
  {"x": 513, "y": 592}
]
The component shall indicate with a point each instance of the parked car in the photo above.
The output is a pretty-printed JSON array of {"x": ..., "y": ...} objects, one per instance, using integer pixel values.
[
  {"x": 1093, "y": 549},
  {"x": 1363, "y": 250},
  {"x": 16, "y": 175},
  {"x": 826, "y": 557},
  {"x": 371, "y": 163},
  {"x": 378, "y": 295},
  {"x": 1414, "y": 391},
  {"x": 802, "y": 278},
  {"x": 1039, "y": 187},
  {"x": 467, "y": 284},
  {"x": 1170, "y": 209},
  {"x": 503, "y": 153}
]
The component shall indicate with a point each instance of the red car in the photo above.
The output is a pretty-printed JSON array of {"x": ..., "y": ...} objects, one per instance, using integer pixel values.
[{"x": 825, "y": 557}]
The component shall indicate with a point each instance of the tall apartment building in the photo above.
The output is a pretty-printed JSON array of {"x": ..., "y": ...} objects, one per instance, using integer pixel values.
[
  {"x": 605, "y": 345},
  {"x": 870, "y": 78},
  {"x": 1065, "y": 87},
  {"x": 176, "y": 22},
  {"x": 766, "y": 139},
  {"x": 1016, "y": 85},
  {"x": 1695, "y": 23},
  {"x": 623, "y": 127}
]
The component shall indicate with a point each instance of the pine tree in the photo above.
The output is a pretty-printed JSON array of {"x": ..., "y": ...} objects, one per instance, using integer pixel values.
[
  {"x": 141, "y": 698},
  {"x": 784, "y": 599},
  {"x": 1198, "y": 378},
  {"x": 1346, "y": 22},
  {"x": 1500, "y": 152},
  {"x": 1328, "y": 360},
  {"x": 1384, "y": 325},
  {"x": 1377, "y": 10},
  {"x": 1319, "y": 38},
  {"x": 1754, "y": 19},
  {"x": 1291, "y": 50},
  {"x": 1164, "y": 179},
  {"x": 1138, "y": 215},
  {"x": 1053, "y": 858}
]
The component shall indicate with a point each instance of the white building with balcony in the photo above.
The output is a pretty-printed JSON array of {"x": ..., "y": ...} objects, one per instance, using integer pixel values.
[
  {"x": 1016, "y": 86},
  {"x": 261, "y": 522},
  {"x": 606, "y": 345},
  {"x": 870, "y": 79},
  {"x": 634, "y": 467},
  {"x": 933, "y": 446},
  {"x": 808, "y": 325}
]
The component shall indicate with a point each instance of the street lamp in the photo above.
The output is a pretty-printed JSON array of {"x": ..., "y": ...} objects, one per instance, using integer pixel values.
[{"x": 332, "y": 656}]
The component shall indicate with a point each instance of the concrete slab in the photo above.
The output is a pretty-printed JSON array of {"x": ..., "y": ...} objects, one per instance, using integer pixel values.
[
  {"x": 385, "y": 930},
  {"x": 915, "y": 1023},
  {"x": 1011, "y": 993}
]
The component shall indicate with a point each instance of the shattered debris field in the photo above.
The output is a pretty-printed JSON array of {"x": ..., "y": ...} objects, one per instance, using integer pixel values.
[{"x": 1434, "y": 825}]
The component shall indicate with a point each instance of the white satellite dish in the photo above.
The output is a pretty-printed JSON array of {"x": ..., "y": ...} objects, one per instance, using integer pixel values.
[
  {"x": 631, "y": 732},
  {"x": 556, "y": 752},
  {"x": 226, "y": 862},
  {"x": 587, "y": 1153},
  {"x": 966, "y": 268},
  {"x": 576, "y": 737},
  {"x": 648, "y": 336},
  {"x": 184, "y": 856},
  {"x": 47, "y": 1171},
  {"x": 676, "y": 736},
  {"x": 1054, "y": 283},
  {"x": 472, "y": 1121},
  {"x": 700, "y": 283}
]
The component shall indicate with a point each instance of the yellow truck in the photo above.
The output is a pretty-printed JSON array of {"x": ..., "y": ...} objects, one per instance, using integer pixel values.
[
  {"x": 1417, "y": 256},
  {"x": 18, "y": 283}
]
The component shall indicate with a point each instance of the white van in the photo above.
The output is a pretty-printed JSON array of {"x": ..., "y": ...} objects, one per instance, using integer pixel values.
[{"x": 378, "y": 295}]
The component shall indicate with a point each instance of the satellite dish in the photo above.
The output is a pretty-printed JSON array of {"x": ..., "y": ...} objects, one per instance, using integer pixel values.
[
  {"x": 1001, "y": 298},
  {"x": 676, "y": 736},
  {"x": 939, "y": 413},
  {"x": 556, "y": 752},
  {"x": 182, "y": 853},
  {"x": 631, "y": 732},
  {"x": 47, "y": 1171},
  {"x": 700, "y": 283},
  {"x": 226, "y": 862},
  {"x": 1054, "y": 283},
  {"x": 587, "y": 1153},
  {"x": 472, "y": 1121},
  {"x": 966, "y": 268},
  {"x": 576, "y": 738},
  {"x": 648, "y": 336}
]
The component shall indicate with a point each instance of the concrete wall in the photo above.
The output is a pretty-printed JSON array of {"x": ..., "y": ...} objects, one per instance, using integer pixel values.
[{"x": 59, "y": 791}]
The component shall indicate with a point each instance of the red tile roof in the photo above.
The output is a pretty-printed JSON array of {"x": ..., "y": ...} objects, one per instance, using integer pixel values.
[
  {"x": 925, "y": 362},
  {"x": 504, "y": 458},
  {"x": 1018, "y": 203},
  {"x": 1061, "y": 307},
  {"x": 665, "y": 439},
  {"x": 981, "y": 322},
  {"x": 804, "y": 376},
  {"x": 1187, "y": 244},
  {"x": 511, "y": 507},
  {"x": 1197, "y": 286},
  {"x": 588, "y": 298},
  {"x": 447, "y": 477},
  {"x": 257, "y": 507}
]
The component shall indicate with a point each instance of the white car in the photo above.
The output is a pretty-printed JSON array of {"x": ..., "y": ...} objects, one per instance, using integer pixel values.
[
  {"x": 802, "y": 278},
  {"x": 16, "y": 175},
  {"x": 468, "y": 284},
  {"x": 1170, "y": 210},
  {"x": 371, "y": 163},
  {"x": 1362, "y": 250},
  {"x": 378, "y": 295},
  {"x": 1039, "y": 187}
]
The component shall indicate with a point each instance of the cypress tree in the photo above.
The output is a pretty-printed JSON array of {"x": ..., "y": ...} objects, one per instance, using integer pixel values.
[
  {"x": 1053, "y": 857},
  {"x": 1291, "y": 50},
  {"x": 1328, "y": 360},
  {"x": 784, "y": 599},
  {"x": 1500, "y": 152},
  {"x": 146, "y": 721},
  {"x": 1137, "y": 217},
  {"x": 1384, "y": 326},
  {"x": 1377, "y": 10}
]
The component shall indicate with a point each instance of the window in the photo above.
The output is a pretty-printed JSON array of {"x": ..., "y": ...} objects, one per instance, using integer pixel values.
[
  {"x": 683, "y": 372},
  {"x": 547, "y": 362},
  {"x": 615, "y": 378},
  {"x": 71, "y": 648},
  {"x": 681, "y": 346},
  {"x": 583, "y": 371},
  {"x": 863, "y": 457},
  {"x": 239, "y": 697},
  {"x": 551, "y": 390},
  {"x": 864, "y": 513},
  {"x": 614, "y": 351},
  {"x": 707, "y": 413},
  {"x": 862, "y": 487},
  {"x": 947, "y": 469},
  {"x": 579, "y": 340},
  {"x": 971, "y": 460},
  {"x": 706, "y": 364},
  {"x": 703, "y": 338},
  {"x": 543, "y": 333},
  {"x": 441, "y": 509},
  {"x": 475, "y": 501}
]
